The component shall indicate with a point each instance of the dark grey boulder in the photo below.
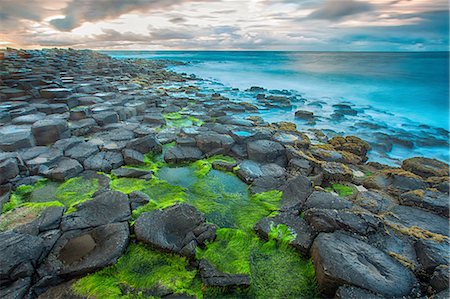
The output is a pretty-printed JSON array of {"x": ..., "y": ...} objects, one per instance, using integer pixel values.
[
  {"x": 106, "y": 118},
  {"x": 13, "y": 138},
  {"x": 81, "y": 151},
  {"x": 50, "y": 93},
  {"x": 248, "y": 171},
  {"x": 266, "y": 151},
  {"x": 125, "y": 172},
  {"x": 62, "y": 169},
  {"x": 326, "y": 200},
  {"x": 138, "y": 199},
  {"x": 154, "y": 119},
  {"x": 104, "y": 161},
  {"x": 375, "y": 201},
  {"x": 351, "y": 292},
  {"x": 79, "y": 252},
  {"x": 16, "y": 290},
  {"x": 145, "y": 145},
  {"x": 304, "y": 235},
  {"x": 9, "y": 169},
  {"x": 212, "y": 277},
  {"x": 335, "y": 171},
  {"x": 61, "y": 291},
  {"x": 432, "y": 253},
  {"x": 179, "y": 229},
  {"x": 19, "y": 254},
  {"x": 426, "y": 167},
  {"x": 45, "y": 158},
  {"x": 407, "y": 217},
  {"x": 132, "y": 157},
  {"x": 330, "y": 220},
  {"x": 436, "y": 202},
  {"x": 211, "y": 142},
  {"x": 303, "y": 114},
  {"x": 340, "y": 259},
  {"x": 181, "y": 154},
  {"x": 295, "y": 193},
  {"x": 48, "y": 131},
  {"x": 395, "y": 244},
  {"x": 108, "y": 207},
  {"x": 300, "y": 166},
  {"x": 440, "y": 278},
  {"x": 67, "y": 144}
]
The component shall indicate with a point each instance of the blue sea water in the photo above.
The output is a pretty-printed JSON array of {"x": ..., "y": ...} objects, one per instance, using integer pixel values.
[{"x": 408, "y": 91}]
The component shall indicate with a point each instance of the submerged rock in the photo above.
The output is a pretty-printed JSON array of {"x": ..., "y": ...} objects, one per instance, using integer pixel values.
[{"x": 426, "y": 167}]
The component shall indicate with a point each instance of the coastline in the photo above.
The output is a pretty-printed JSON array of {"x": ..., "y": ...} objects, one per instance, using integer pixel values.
[{"x": 126, "y": 137}]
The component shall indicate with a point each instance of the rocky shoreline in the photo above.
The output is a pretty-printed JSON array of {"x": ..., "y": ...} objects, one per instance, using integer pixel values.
[{"x": 120, "y": 179}]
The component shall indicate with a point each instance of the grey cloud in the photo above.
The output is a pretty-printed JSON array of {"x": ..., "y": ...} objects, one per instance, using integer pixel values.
[
  {"x": 177, "y": 20},
  {"x": 335, "y": 10},
  {"x": 79, "y": 11}
]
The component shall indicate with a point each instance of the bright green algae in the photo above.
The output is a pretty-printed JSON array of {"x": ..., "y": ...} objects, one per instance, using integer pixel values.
[
  {"x": 141, "y": 273},
  {"x": 69, "y": 193},
  {"x": 179, "y": 120},
  {"x": 341, "y": 190},
  {"x": 275, "y": 270}
]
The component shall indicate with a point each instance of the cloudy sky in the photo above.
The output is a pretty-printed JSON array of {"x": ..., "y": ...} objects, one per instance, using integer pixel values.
[{"x": 321, "y": 25}]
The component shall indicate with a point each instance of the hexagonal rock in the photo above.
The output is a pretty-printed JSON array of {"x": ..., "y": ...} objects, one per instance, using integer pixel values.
[
  {"x": 179, "y": 229},
  {"x": 8, "y": 169},
  {"x": 295, "y": 193},
  {"x": 304, "y": 235},
  {"x": 212, "y": 277},
  {"x": 107, "y": 207},
  {"x": 180, "y": 154},
  {"x": 335, "y": 171},
  {"x": 48, "y": 131},
  {"x": 105, "y": 118},
  {"x": 266, "y": 151},
  {"x": 340, "y": 259},
  {"x": 132, "y": 157},
  {"x": 19, "y": 254},
  {"x": 50, "y": 93},
  {"x": 13, "y": 138},
  {"x": 214, "y": 142},
  {"x": 145, "y": 145},
  {"x": 79, "y": 252},
  {"x": 433, "y": 201},
  {"x": 63, "y": 169},
  {"x": 104, "y": 161},
  {"x": 426, "y": 167}
]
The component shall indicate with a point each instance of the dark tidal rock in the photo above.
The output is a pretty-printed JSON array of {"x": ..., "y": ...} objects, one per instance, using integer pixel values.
[
  {"x": 266, "y": 151},
  {"x": 340, "y": 259},
  {"x": 211, "y": 277},
  {"x": 108, "y": 207},
  {"x": 48, "y": 131},
  {"x": 179, "y": 229},
  {"x": 181, "y": 154},
  {"x": 295, "y": 193},
  {"x": 304, "y": 235},
  {"x": 426, "y": 167}
]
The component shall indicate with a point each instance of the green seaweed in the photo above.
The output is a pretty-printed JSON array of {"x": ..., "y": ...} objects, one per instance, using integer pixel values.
[
  {"x": 281, "y": 234},
  {"x": 22, "y": 194},
  {"x": 141, "y": 273},
  {"x": 178, "y": 120},
  {"x": 69, "y": 193},
  {"x": 341, "y": 190},
  {"x": 230, "y": 251},
  {"x": 276, "y": 271},
  {"x": 204, "y": 166}
]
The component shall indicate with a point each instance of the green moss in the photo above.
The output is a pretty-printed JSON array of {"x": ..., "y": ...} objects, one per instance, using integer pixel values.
[
  {"x": 141, "y": 273},
  {"x": 205, "y": 165},
  {"x": 22, "y": 194},
  {"x": 230, "y": 251},
  {"x": 279, "y": 272},
  {"x": 281, "y": 234},
  {"x": 24, "y": 214},
  {"x": 127, "y": 185},
  {"x": 341, "y": 190},
  {"x": 177, "y": 120},
  {"x": 69, "y": 193},
  {"x": 275, "y": 271},
  {"x": 76, "y": 190}
]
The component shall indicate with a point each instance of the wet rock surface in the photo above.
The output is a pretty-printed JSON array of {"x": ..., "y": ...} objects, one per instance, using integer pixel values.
[
  {"x": 180, "y": 229},
  {"x": 372, "y": 230}
]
